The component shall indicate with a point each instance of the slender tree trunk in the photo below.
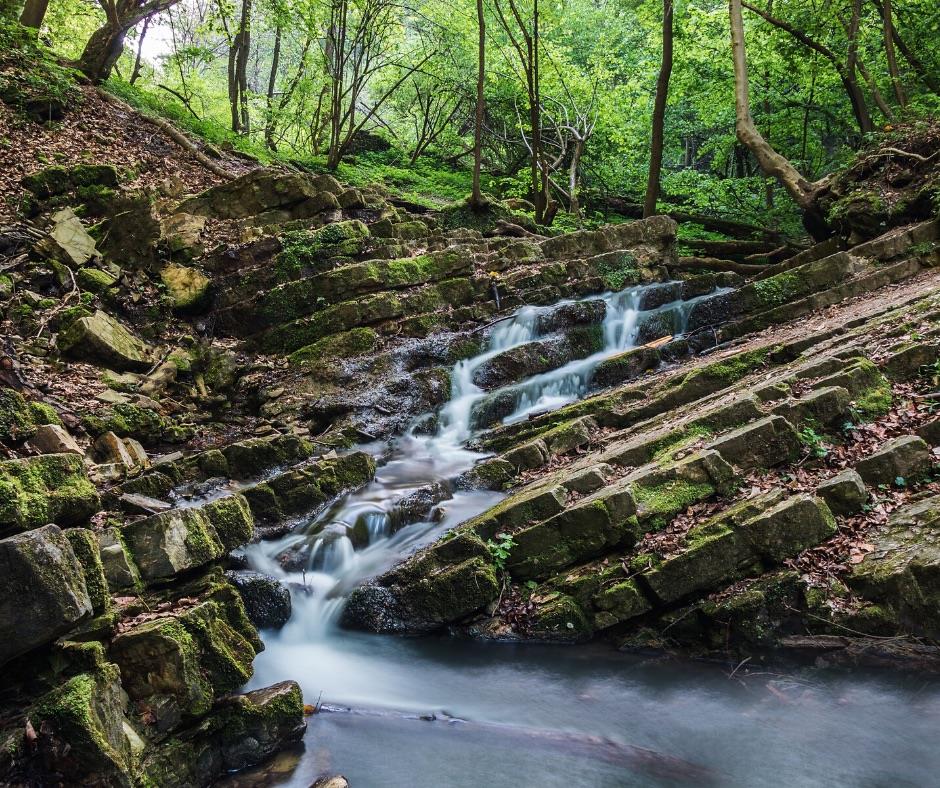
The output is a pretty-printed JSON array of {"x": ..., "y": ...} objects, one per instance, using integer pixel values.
[
  {"x": 241, "y": 66},
  {"x": 911, "y": 57},
  {"x": 856, "y": 95},
  {"x": 272, "y": 84},
  {"x": 888, "y": 27},
  {"x": 135, "y": 74},
  {"x": 34, "y": 12},
  {"x": 771, "y": 162},
  {"x": 659, "y": 115},
  {"x": 574, "y": 203},
  {"x": 476, "y": 196}
]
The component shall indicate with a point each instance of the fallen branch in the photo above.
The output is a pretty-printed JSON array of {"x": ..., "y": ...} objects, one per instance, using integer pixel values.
[
  {"x": 173, "y": 133},
  {"x": 716, "y": 264}
]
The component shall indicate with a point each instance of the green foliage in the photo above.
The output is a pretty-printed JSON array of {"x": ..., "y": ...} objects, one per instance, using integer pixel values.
[
  {"x": 814, "y": 442},
  {"x": 500, "y": 549},
  {"x": 620, "y": 272}
]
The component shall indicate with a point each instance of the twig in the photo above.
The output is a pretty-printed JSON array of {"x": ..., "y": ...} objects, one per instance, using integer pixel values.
[
  {"x": 64, "y": 303},
  {"x": 740, "y": 665}
]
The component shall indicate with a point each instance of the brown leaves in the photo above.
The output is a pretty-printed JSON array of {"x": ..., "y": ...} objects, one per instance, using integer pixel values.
[{"x": 163, "y": 610}]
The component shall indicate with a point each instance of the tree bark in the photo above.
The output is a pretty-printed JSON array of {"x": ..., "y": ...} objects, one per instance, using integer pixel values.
[
  {"x": 888, "y": 27},
  {"x": 135, "y": 74},
  {"x": 771, "y": 162},
  {"x": 916, "y": 63},
  {"x": 34, "y": 12},
  {"x": 272, "y": 84},
  {"x": 659, "y": 115},
  {"x": 476, "y": 195}
]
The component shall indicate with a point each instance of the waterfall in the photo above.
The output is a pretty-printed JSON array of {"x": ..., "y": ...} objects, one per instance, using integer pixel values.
[{"x": 356, "y": 538}]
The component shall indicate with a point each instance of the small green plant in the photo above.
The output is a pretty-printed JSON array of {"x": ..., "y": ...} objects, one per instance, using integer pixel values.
[
  {"x": 500, "y": 549},
  {"x": 900, "y": 481},
  {"x": 814, "y": 442}
]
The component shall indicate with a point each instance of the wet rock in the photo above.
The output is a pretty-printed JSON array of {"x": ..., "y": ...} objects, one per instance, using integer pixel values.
[
  {"x": 713, "y": 311},
  {"x": 42, "y": 590},
  {"x": 53, "y": 439},
  {"x": 657, "y": 295},
  {"x": 844, "y": 493},
  {"x": 416, "y": 507},
  {"x": 51, "y": 488},
  {"x": 336, "y": 781},
  {"x": 625, "y": 366},
  {"x": 255, "y": 456},
  {"x": 101, "y": 338},
  {"x": 576, "y": 313},
  {"x": 559, "y": 619},
  {"x": 242, "y": 731},
  {"x": 295, "y": 558},
  {"x": 267, "y": 600},
  {"x": 907, "y": 457}
]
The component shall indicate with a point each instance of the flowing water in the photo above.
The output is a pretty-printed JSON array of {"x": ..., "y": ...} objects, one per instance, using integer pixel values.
[{"x": 442, "y": 712}]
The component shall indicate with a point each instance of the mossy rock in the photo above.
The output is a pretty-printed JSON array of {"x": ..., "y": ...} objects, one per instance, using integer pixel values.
[
  {"x": 128, "y": 421},
  {"x": 188, "y": 287},
  {"x": 349, "y": 344},
  {"x": 16, "y": 421},
  {"x": 87, "y": 551},
  {"x": 50, "y": 488},
  {"x": 100, "y": 338},
  {"x": 89, "y": 734}
]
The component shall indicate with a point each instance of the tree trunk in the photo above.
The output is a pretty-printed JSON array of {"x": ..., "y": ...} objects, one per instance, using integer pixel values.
[
  {"x": 34, "y": 13},
  {"x": 241, "y": 67},
  {"x": 916, "y": 63},
  {"x": 890, "y": 56},
  {"x": 101, "y": 52},
  {"x": 771, "y": 162},
  {"x": 856, "y": 96},
  {"x": 659, "y": 115},
  {"x": 476, "y": 195},
  {"x": 135, "y": 74},
  {"x": 272, "y": 84},
  {"x": 574, "y": 202}
]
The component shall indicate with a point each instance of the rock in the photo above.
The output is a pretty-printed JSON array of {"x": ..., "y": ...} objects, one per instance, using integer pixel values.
[
  {"x": 187, "y": 286},
  {"x": 256, "y": 192},
  {"x": 907, "y": 458},
  {"x": 255, "y": 456},
  {"x": 825, "y": 406},
  {"x": 267, "y": 600},
  {"x": 134, "y": 503},
  {"x": 51, "y": 488},
  {"x": 760, "y": 444},
  {"x": 844, "y": 493},
  {"x": 87, "y": 733},
  {"x": 181, "y": 233},
  {"x": 68, "y": 241},
  {"x": 903, "y": 570},
  {"x": 20, "y": 417},
  {"x": 109, "y": 448},
  {"x": 336, "y": 781},
  {"x": 181, "y": 539},
  {"x": 53, "y": 439},
  {"x": 85, "y": 546},
  {"x": 791, "y": 526},
  {"x": 119, "y": 569},
  {"x": 136, "y": 452},
  {"x": 42, "y": 590},
  {"x": 181, "y": 663},
  {"x": 103, "y": 339},
  {"x": 242, "y": 731}
]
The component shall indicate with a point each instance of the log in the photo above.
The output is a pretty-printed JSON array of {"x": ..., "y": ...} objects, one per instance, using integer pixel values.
[
  {"x": 173, "y": 133},
  {"x": 716, "y": 264}
]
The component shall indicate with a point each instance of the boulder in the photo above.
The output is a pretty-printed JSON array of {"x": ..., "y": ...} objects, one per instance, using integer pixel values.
[
  {"x": 255, "y": 456},
  {"x": 181, "y": 233},
  {"x": 903, "y": 570},
  {"x": 109, "y": 448},
  {"x": 88, "y": 736},
  {"x": 906, "y": 458},
  {"x": 68, "y": 241},
  {"x": 42, "y": 590},
  {"x": 166, "y": 544},
  {"x": 242, "y": 731},
  {"x": 50, "y": 488},
  {"x": 844, "y": 493},
  {"x": 53, "y": 439},
  {"x": 100, "y": 338},
  {"x": 256, "y": 192},
  {"x": 761, "y": 444},
  {"x": 790, "y": 527},
  {"x": 267, "y": 600},
  {"x": 85, "y": 546}
]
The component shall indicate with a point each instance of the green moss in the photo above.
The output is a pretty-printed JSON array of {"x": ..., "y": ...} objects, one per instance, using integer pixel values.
[
  {"x": 669, "y": 445},
  {"x": 670, "y": 497},
  {"x": 619, "y": 273},
  {"x": 348, "y": 344},
  {"x": 778, "y": 289},
  {"x": 16, "y": 422},
  {"x": 232, "y": 521},
  {"x": 875, "y": 401},
  {"x": 304, "y": 249},
  {"x": 85, "y": 546},
  {"x": 51, "y": 488},
  {"x": 42, "y": 413},
  {"x": 128, "y": 421}
]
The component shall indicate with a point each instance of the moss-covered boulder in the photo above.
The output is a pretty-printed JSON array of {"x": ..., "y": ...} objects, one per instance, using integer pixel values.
[
  {"x": 179, "y": 664},
  {"x": 187, "y": 286},
  {"x": 50, "y": 488},
  {"x": 102, "y": 339},
  {"x": 242, "y": 731},
  {"x": 89, "y": 738},
  {"x": 42, "y": 590},
  {"x": 257, "y": 455},
  {"x": 256, "y": 192},
  {"x": 20, "y": 417},
  {"x": 176, "y": 541},
  {"x": 902, "y": 459},
  {"x": 85, "y": 546}
]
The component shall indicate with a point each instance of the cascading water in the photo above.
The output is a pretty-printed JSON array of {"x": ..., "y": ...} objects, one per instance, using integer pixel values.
[{"x": 524, "y": 715}]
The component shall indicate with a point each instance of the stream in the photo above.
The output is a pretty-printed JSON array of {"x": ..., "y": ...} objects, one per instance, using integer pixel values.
[{"x": 437, "y": 711}]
